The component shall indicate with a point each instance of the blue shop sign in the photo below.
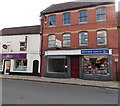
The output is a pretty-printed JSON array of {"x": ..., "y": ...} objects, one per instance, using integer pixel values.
[{"x": 102, "y": 51}]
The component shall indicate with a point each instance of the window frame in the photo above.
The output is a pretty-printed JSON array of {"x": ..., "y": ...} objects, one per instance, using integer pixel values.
[
  {"x": 54, "y": 20},
  {"x": 51, "y": 41},
  {"x": 105, "y": 38},
  {"x": 22, "y": 47},
  {"x": 66, "y": 18},
  {"x": 80, "y": 40},
  {"x": 85, "y": 16},
  {"x": 101, "y": 14},
  {"x": 64, "y": 40}
]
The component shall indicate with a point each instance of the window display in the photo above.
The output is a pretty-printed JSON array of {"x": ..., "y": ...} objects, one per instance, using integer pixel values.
[
  {"x": 1, "y": 64},
  {"x": 95, "y": 65},
  {"x": 20, "y": 65}
]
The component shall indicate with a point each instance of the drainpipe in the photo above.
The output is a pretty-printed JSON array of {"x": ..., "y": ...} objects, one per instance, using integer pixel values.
[{"x": 41, "y": 36}]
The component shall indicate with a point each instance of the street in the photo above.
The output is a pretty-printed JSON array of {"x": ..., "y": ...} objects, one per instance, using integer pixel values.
[{"x": 27, "y": 92}]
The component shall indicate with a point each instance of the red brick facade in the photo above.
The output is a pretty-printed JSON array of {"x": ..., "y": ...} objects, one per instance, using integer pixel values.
[{"x": 92, "y": 26}]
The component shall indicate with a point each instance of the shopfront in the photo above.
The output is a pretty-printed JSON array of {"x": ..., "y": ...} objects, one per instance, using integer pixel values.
[
  {"x": 14, "y": 63},
  {"x": 85, "y": 64},
  {"x": 96, "y": 64}
]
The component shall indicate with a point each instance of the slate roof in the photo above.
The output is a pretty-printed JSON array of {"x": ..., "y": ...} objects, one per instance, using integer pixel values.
[
  {"x": 21, "y": 30},
  {"x": 73, "y": 5}
]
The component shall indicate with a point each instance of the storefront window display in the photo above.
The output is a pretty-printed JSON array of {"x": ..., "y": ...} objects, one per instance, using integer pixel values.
[
  {"x": 1, "y": 64},
  {"x": 20, "y": 65},
  {"x": 95, "y": 65}
]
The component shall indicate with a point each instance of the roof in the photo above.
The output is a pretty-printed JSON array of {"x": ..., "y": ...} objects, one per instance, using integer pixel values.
[
  {"x": 73, "y": 5},
  {"x": 21, "y": 30}
]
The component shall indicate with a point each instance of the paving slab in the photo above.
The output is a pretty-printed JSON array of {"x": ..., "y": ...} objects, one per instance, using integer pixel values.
[{"x": 71, "y": 81}]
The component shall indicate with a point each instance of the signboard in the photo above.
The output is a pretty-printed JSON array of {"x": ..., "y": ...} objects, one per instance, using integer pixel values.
[
  {"x": 13, "y": 56},
  {"x": 58, "y": 43},
  {"x": 4, "y": 46},
  {"x": 102, "y": 51}
]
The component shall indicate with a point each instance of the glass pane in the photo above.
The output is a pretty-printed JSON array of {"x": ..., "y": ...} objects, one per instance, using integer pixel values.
[
  {"x": 83, "y": 19},
  {"x": 66, "y": 43},
  {"x": 66, "y": 37},
  {"x": 51, "y": 37},
  {"x": 83, "y": 13},
  {"x": 1, "y": 64},
  {"x": 67, "y": 21},
  {"x": 57, "y": 65},
  {"x": 20, "y": 65},
  {"x": 51, "y": 44},
  {"x": 52, "y": 18},
  {"x": 95, "y": 66},
  {"x": 66, "y": 16}
]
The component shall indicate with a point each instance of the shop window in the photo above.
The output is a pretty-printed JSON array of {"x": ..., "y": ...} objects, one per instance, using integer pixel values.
[
  {"x": 22, "y": 46},
  {"x": 66, "y": 18},
  {"x": 57, "y": 65},
  {"x": 83, "y": 39},
  {"x": 20, "y": 65},
  {"x": 1, "y": 64},
  {"x": 52, "y": 20},
  {"x": 83, "y": 16},
  {"x": 66, "y": 40},
  {"x": 51, "y": 40},
  {"x": 95, "y": 65},
  {"x": 102, "y": 37},
  {"x": 101, "y": 14}
]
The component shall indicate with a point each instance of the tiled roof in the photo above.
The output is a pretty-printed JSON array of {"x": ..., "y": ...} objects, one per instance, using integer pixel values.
[
  {"x": 21, "y": 30},
  {"x": 72, "y": 5}
]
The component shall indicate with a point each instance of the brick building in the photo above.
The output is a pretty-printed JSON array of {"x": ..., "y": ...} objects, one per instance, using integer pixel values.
[{"x": 80, "y": 40}]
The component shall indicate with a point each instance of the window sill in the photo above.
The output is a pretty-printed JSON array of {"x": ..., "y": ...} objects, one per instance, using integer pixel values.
[
  {"x": 83, "y": 22},
  {"x": 52, "y": 26},
  {"x": 66, "y": 24}
]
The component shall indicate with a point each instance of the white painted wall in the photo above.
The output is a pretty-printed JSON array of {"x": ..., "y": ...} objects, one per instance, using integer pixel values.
[
  {"x": 33, "y": 43},
  {"x": 33, "y": 48}
]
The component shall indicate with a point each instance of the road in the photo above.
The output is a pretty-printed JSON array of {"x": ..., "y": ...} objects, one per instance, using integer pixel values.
[{"x": 26, "y": 92}]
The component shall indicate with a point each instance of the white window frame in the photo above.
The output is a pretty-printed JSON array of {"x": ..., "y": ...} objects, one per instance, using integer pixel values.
[
  {"x": 52, "y": 21},
  {"x": 100, "y": 14},
  {"x": 105, "y": 37},
  {"x": 64, "y": 40},
  {"x": 80, "y": 39},
  {"x": 53, "y": 40},
  {"x": 83, "y": 16}
]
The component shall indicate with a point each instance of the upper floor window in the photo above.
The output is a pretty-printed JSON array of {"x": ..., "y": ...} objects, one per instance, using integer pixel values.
[
  {"x": 52, "y": 20},
  {"x": 102, "y": 37},
  {"x": 51, "y": 40},
  {"x": 22, "y": 46},
  {"x": 66, "y": 40},
  {"x": 83, "y": 39},
  {"x": 83, "y": 16},
  {"x": 101, "y": 14},
  {"x": 66, "y": 18}
]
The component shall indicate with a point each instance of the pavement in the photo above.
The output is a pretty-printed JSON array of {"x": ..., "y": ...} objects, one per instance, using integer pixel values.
[{"x": 70, "y": 81}]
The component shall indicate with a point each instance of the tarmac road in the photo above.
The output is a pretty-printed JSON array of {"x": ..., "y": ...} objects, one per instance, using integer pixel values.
[{"x": 27, "y": 92}]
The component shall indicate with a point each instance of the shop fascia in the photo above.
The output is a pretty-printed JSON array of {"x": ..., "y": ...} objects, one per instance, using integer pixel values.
[{"x": 79, "y": 52}]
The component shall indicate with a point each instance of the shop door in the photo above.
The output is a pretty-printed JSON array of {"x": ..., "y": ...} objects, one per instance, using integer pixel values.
[
  {"x": 7, "y": 64},
  {"x": 75, "y": 66},
  {"x": 35, "y": 67}
]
